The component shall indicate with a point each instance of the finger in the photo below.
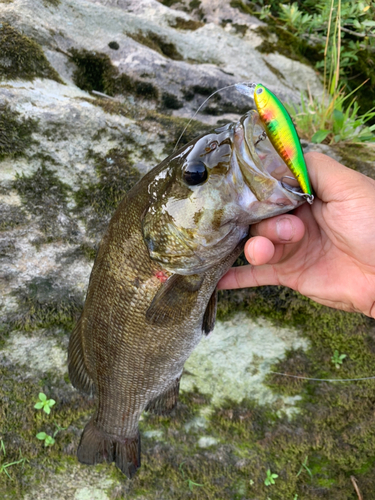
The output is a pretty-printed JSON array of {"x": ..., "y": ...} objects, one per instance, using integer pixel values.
[
  {"x": 248, "y": 276},
  {"x": 259, "y": 250},
  {"x": 281, "y": 229}
]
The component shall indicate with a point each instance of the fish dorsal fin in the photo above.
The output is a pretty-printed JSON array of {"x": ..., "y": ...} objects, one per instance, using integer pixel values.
[
  {"x": 210, "y": 314},
  {"x": 174, "y": 300},
  {"x": 78, "y": 374}
]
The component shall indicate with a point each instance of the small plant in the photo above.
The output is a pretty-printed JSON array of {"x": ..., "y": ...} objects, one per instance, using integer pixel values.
[
  {"x": 4, "y": 467},
  {"x": 191, "y": 483},
  {"x": 270, "y": 479},
  {"x": 44, "y": 403},
  {"x": 294, "y": 18},
  {"x": 337, "y": 358},
  {"x": 48, "y": 440},
  {"x": 304, "y": 466}
]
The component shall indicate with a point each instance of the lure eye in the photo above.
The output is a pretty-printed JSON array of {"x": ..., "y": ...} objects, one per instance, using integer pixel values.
[
  {"x": 194, "y": 173},
  {"x": 259, "y": 91}
]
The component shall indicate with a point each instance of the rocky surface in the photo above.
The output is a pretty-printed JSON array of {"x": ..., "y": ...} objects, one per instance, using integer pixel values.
[{"x": 92, "y": 95}]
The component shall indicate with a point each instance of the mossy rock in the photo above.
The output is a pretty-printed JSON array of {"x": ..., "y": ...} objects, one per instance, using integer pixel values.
[
  {"x": 21, "y": 57},
  {"x": 157, "y": 43},
  {"x": 185, "y": 24},
  {"x": 15, "y": 133},
  {"x": 45, "y": 196},
  {"x": 116, "y": 175},
  {"x": 360, "y": 157},
  {"x": 95, "y": 71}
]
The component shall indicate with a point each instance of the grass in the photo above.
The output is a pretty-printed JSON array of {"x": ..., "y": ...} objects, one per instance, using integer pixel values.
[{"x": 335, "y": 116}]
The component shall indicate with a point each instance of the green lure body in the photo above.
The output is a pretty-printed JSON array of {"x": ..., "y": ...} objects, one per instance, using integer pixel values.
[{"x": 282, "y": 134}]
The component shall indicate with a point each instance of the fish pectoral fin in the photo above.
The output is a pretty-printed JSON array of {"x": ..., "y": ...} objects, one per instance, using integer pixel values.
[
  {"x": 209, "y": 317},
  {"x": 174, "y": 300},
  {"x": 78, "y": 374},
  {"x": 165, "y": 402}
]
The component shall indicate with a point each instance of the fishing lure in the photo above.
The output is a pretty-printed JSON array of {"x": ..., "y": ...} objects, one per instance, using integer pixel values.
[{"x": 281, "y": 132}]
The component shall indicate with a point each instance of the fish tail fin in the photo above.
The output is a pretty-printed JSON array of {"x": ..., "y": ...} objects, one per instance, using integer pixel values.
[{"x": 96, "y": 446}]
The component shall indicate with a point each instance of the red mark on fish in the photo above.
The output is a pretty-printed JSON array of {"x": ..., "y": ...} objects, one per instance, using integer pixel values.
[{"x": 161, "y": 276}]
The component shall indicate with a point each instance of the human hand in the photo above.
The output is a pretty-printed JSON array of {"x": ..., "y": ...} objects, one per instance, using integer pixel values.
[{"x": 325, "y": 251}]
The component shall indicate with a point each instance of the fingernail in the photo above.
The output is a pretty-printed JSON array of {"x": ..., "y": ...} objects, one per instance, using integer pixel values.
[
  {"x": 284, "y": 229},
  {"x": 250, "y": 253}
]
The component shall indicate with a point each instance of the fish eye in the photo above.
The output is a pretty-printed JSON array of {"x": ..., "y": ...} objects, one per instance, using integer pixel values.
[
  {"x": 259, "y": 91},
  {"x": 194, "y": 173}
]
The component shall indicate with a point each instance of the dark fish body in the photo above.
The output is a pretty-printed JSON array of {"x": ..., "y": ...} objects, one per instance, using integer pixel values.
[{"x": 152, "y": 290}]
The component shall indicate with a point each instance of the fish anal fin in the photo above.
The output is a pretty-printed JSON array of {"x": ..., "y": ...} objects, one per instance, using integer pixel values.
[
  {"x": 165, "y": 402},
  {"x": 174, "y": 300},
  {"x": 209, "y": 317},
  {"x": 78, "y": 374},
  {"x": 96, "y": 446}
]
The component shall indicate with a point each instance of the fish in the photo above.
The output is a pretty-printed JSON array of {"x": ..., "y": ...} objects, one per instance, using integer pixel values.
[
  {"x": 281, "y": 132},
  {"x": 152, "y": 290}
]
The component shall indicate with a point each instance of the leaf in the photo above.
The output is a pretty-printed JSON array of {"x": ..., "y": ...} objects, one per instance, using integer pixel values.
[
  {"x": 338, "y": 120},
  {"x": 319, "y": 136},
  {"x": 47, "y": 409},
  {"x": 39, "y": 406},
  {"x": 41, "y": 435},
  {"x": 51, "y": 402},
  {"x": 49, "y": 441},
  {"x": 42, "y": 396}
]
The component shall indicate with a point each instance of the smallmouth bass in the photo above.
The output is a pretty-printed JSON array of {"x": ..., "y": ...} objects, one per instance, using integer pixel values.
[{"x": 152, "y": 290}]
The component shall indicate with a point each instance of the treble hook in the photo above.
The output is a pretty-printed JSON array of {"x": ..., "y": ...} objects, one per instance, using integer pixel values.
[
  {"x": 308, "y": 197},
  {"x": 261, "y": 137}
]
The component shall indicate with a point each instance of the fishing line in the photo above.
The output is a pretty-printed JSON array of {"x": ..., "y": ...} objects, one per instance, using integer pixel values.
[
  {"x": 325, "y": 379},
  {"x": 236, "y": 85}
]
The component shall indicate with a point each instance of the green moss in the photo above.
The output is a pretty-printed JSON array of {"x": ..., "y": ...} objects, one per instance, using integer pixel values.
[
  {"x": 22, "y": 58},
  {"x": 185, "y": 24},
  {"x": 241, "y": 29},
  {"x": 113, "y": 45},
  {"x": 174, "y": 126},
  {"x": 157, "y": 43},
  {"x": 115, "y": 174},
  {"x": 20, "y": 422},
  {"x": 360, "y": 157},
  {"x": 45, "y": 302},
  {"x": 217, "y": 109},
  {"x": 95, "y": 71},
  {"x": 45, "y": 196},
  {"x": 54, "y": 3},
  {"x": 241, "y": 6},
  {"x": 288, "y": 44},
  {"x": 10, "y": 217},
  {"x": 169, "y": 3},
  {"x": 15, "y": 133},
  {"x": 170, "y": 101}
]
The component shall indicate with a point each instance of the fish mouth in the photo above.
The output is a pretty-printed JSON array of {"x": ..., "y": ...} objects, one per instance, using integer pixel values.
[{"x": 264, "y": 171}]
